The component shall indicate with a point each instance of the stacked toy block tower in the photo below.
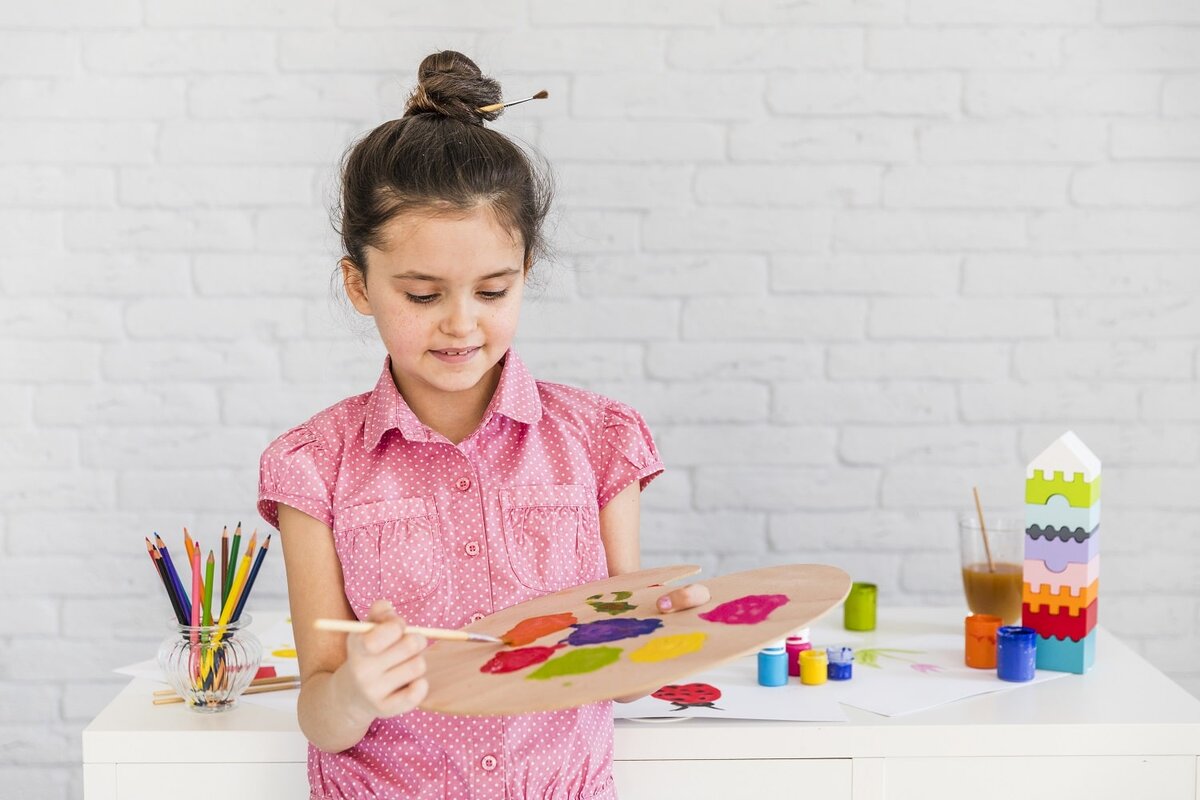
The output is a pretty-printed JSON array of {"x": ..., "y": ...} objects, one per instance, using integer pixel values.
[{"x": 1062, "y": 558}]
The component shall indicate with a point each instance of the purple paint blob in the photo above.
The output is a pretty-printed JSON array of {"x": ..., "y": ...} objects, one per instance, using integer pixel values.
[
  {"x": 749, "y": 610},
  {"x": 609, "y": 630}
]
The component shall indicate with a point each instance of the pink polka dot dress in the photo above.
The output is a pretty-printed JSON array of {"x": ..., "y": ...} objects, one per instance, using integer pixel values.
[{"x": 451, "y": 533}]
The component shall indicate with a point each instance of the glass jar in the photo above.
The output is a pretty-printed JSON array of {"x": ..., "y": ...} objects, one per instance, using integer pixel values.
[{"x": 209, "y": 666}]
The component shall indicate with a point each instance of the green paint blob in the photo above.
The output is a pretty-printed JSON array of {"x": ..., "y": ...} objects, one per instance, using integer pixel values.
[{"x": 580, "y": 660}]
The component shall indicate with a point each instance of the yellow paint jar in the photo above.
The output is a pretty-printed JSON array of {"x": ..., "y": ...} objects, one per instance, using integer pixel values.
[{"x": 814, "y": 667}]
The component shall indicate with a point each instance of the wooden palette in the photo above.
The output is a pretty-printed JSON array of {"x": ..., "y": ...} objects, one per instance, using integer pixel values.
[{"x": 606, "y": 639}]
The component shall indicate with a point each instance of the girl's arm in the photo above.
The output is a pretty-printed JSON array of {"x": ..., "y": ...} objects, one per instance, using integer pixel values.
[
  {"x": 619, "y": 522},
  {"x": 331, "y": 708},
  {"x": 619, "y": 525}
]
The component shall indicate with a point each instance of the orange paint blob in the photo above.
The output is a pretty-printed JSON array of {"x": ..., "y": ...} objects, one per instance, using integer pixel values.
[{"x": 530, "y": 630}]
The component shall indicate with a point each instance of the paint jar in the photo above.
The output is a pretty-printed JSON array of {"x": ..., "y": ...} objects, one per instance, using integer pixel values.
[
  {"x": 796, "y": 644},
  {"x": 1016, "y": 653},
  {"x": 980, "y": 647},
  {"x": 772, "y": 665},
  {"x": 859, "y": 611},
  {"x": 814, "y": 667},
  {"x": 841, "y": 663}
]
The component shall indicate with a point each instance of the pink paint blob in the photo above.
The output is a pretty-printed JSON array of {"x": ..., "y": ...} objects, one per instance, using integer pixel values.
[
  {"x": 749, "y": 610},
  {"x": 513, "y": 660}
]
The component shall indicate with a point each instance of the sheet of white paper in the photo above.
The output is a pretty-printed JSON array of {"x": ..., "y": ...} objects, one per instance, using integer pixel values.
[
  {"x": 740, "y": 698},
  {"x": 282, "y": 700},
  {"x": 895, "y": 675}
]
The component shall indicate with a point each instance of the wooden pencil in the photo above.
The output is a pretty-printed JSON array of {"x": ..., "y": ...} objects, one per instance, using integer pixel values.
[
  {"x": 224, "y": 562},
  {"x": 358, "y": 626},
  {"x": 233, "y": 557},
  {"x": 208, "y": 581},
  {"x": 183, "y": 601},
  {"x": 278, "y": 687},
  {"x": 156, "y": 557},
  {"x": 255, "y": 682},
  {"x": 241, "y": 603}
]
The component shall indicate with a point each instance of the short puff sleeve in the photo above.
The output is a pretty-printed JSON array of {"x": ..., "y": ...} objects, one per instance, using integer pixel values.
[
  {"x": 296, "y": 470},
  {"x": 627, "y": 452}
]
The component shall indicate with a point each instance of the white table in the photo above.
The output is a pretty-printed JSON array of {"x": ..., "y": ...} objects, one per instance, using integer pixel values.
[{"x": 1123, "y": 730}]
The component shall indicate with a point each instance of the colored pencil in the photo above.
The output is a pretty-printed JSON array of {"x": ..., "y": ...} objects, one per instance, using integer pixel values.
[
  {"x": 197, "y": 601},
  {"x": 208, "y": 582},
  {"x": 244, "y": 563},
  {"x": 183, "y": 601},
  {"x": 188, "y": 543},
  {"x": 241, "y": 603},
  {"x": 227, "y": 612},
  {"x": 357, "y": 626},
  {"x": 224, "y": 562},
  {"x": 156, "y": 557},
  {"x": 197, "y": 588},
  {"x": 233, "y": 557}
]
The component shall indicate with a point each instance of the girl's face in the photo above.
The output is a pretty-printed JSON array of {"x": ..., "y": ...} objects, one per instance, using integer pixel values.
[{"x": 445, "y": 292}]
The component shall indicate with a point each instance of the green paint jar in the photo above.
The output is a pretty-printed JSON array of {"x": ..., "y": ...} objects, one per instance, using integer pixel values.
[{"x": 860, "y": 607}]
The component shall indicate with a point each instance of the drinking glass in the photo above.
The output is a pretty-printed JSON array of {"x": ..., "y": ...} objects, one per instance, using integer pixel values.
[{"x": 993, "y": 586}]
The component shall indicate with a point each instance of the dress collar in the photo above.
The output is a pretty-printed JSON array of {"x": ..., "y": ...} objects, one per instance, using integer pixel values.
[{"x": 516, "y": 397}]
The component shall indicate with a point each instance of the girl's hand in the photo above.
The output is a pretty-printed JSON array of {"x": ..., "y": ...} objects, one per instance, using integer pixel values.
[
  {"x": 690, "y": 596},
  {"x": 382, "y": 674}
]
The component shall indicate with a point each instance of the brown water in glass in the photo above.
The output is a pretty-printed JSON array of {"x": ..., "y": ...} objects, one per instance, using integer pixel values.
[{"x": 997, "y": 593}]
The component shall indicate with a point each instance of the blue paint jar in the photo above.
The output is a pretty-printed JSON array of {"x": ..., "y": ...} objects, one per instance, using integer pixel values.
[
  {"x": 772, "y": 666},
  {"x": 1016, "y": 653},
  {"x": 841, "y": 663}
]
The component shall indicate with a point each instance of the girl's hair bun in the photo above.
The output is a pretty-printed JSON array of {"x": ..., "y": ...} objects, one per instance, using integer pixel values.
[{"x": 451, "y": 85}]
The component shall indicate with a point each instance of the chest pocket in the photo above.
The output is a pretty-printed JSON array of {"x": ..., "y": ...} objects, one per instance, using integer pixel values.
[
  {"x": 552, "y": 534},
  {"x": 390, "y": 550}
]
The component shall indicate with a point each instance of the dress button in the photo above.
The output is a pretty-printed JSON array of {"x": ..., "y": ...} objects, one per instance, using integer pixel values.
[
  {"x": 472, "y": 549},
  {"x": 478, "y": 615},
  {"x": 488, "y": 762},
  {"x": 463, "y": 483}
]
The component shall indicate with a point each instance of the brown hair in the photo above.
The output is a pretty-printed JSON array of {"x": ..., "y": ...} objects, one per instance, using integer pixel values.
[{"x": 440, "y": 158}]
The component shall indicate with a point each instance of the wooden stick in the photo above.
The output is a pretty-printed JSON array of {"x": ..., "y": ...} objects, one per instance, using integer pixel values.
[
  {"x": 256, "y": 682},
  {"x": 983, "y": 529},
  {"x": 357, "y": 626},
  {"x": 278, "y": 687}
]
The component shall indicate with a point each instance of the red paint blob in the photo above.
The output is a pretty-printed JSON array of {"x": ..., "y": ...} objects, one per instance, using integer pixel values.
[
  {"x": 530, "y": 630},
  {"x": 513, "y": 660},
  {"x": 749, "y": 610}
]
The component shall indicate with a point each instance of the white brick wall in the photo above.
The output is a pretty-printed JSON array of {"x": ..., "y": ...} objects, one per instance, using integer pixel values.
[{"x": 850, "y": 257}]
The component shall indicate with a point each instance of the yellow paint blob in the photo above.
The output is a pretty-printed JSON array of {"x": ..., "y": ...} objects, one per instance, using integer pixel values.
[
  {"x": 284, "y": 652},
  {"x": 664, "y": 648}
]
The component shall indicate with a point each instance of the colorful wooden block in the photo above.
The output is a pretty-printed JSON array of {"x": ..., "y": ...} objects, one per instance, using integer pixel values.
[
  {"x": 1058, "y": 513},
  {"x": 1065, "y": 597},
  {"x": 1065, "y": 655},
  {"x": 1056, "y": 554},
  {"x": 1065, "y": 623},
  {"x": 1079, "y": 493},
  {"x": 1074, "y": 576}
]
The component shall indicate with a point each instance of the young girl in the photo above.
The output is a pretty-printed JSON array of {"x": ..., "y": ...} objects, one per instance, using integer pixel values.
[{"x": 459, "y": 485}]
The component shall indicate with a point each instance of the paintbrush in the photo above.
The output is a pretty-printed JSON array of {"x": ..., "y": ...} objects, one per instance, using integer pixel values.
[
  {"x": 542, "y": 95},
  {"x": 356, "y": 626}
]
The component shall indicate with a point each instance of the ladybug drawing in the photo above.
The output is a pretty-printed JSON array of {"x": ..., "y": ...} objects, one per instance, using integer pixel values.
[{"x": 689, "y": 695}]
